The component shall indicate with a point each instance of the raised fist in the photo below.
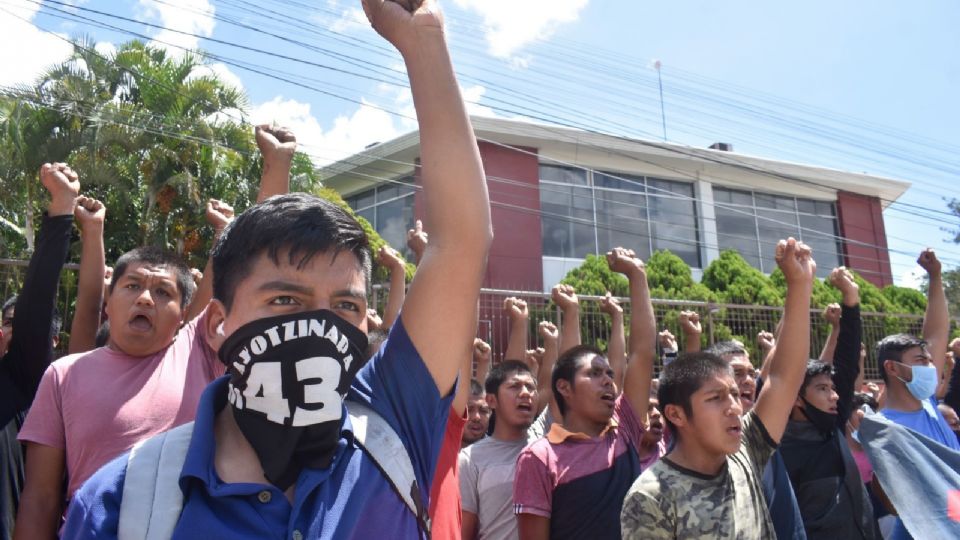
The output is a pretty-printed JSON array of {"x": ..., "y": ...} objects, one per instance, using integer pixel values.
[
  {"x": 417, "y": 240},
  {"x": 63, "y": 185},
  {"x": 197, "y": 276},
  {"x": 219, "y": 214},
  {"x": 389, "y": 257},
  {"x": 842, "y": 279},
  {"x": 832, "y": 315},
  {"x": 610, "y": 305},
  {"x": 275, "y": 142},
  {"x": 89, "y": 212},
  {"x": 667, "y": 341},
  {"x": 548, "y": 331},
  {"x": 533, "y": 358},
  {"x": 955, "y": 346},
  {"x": 374, "y": 322},
  {"x": 690, "y": 323},
  {"x": 565, "y": 297},
  {"x": 796, "y": 262},
  {"x": 481, "y": 350},
  {"x": 928, "y": 260},
  {"x": 766, "y": 341},
  {"x": 403, "y": 22},
  {"x": 515, "y": 308},
  {"x": 624, "y": 261}
]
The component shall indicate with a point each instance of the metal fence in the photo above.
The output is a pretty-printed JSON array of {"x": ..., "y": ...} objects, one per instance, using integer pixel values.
[{"x": 719, "y": 321}]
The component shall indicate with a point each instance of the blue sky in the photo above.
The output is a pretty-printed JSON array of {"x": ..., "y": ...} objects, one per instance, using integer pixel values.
[{"x": 859, "y": 85}]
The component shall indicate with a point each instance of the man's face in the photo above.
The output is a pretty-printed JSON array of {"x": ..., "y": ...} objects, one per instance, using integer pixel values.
[
  {"x": 901, "y": 371},
  {"x": 144, "y": 309},
  {"x": 478, "y": 419},
  {"x": 7, "y": 329},
  {"x": 654, "y": 432},
  {"x": 821, "y": 393},
  {"x": 950, "y": 416},
  {"x": 746, "y": 377},
  {"x": 593, "y": 393},
  {"x": 714, "y": 424},
  {"x": 515, "y": 401},
  {"x": 329, "y": 282}
]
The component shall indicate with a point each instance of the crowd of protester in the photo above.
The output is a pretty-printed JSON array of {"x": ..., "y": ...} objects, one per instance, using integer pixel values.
[{"x": 262, "y": 398}]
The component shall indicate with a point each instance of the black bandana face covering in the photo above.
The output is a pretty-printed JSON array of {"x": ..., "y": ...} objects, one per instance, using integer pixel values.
[
  {"x": 288, "y": 376},
  {"x": 825, "y": 422}
]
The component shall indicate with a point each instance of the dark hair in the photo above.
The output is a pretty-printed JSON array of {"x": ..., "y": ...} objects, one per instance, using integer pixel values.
[
  {"x": 684, "y": 376},
  {"x": 815, "y": 368},
  {"x": 302, "y": 224},
  {"x": 476, "y": 389},
  {"x": 862, "y": 398},
  {"x": 723, "y": 348},
  {"x": 893, "y": 347},
  {"x": 56, "y": 320},
  {"x": 501, "y": 371},
  {"x": 566, "y": 368},
  {"x": 153, "y": 255},
  {"x": 12, "y": 301},
  {"x": 103, "y": 334}
]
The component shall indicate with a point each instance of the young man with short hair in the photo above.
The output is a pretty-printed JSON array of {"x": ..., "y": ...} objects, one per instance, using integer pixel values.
[
  {"x": 709, "y": 483},
  {"x": 487, "y": 467},
  {"x": 478, "y": 415},
  {"x": 823, "y": 472},
  {"x": 571, "y": 483},
  {"x": 911, "y": 367},
  {"x": 274, "y": 451}
]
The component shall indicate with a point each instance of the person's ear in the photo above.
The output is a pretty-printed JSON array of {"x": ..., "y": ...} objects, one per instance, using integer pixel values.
[
  {"x": 491, "y": 401},
  {"x": 799, "y": 402},
  {"x": 675, "y": 414},
  {"x": 565, "y": 388},
  {"x": 215, "y": 318},
  {"x": 890, "y": 368}
]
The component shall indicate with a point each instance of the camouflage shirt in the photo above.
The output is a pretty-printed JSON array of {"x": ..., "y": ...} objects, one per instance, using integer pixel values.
[{"x": 668, "y": 501}]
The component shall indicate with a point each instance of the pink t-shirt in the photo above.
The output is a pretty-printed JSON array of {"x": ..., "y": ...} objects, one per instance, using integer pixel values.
[{"x": 97, "y": 405}]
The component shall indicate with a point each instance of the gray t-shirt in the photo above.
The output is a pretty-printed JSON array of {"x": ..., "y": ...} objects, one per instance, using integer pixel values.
[
  {"x": 670, "y": 502},
  {"x": 486, "y": 486}
]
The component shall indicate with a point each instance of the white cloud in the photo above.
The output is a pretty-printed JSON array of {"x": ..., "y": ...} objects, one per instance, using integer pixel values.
[
  {"x": 912, "y": 278},
  {"x": 16, "y": 34},
  {"x": 191, "y": 16},
  {"x": 509, "y": 25},
  {"x": 352, "y": 19},
  {"x": 348, "y": 135},
  {"x": 472, "y": 96},
  {"x": 218, "y": 70}
]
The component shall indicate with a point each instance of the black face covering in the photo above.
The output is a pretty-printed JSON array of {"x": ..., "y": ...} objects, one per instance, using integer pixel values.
[
  {"x": 825, "y": 422},
  {"x": 288, "y": 376}
]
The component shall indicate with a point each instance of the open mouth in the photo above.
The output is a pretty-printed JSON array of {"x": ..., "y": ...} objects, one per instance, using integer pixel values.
[
  {"x": 141, "y": 323},
  {"x": 734, "y": 430},
  {"x": 525, "y": 407},
  {"x": 608, "y": 398}
]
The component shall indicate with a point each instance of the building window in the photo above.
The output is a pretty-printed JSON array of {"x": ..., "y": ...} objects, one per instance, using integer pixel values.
[
  {"x": 592, "y": 212},
  {"x": 751, "y": 223},
  {"x": 389, "y": 209}
]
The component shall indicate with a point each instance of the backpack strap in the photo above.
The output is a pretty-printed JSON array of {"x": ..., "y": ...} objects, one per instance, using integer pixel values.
[
  {"x": 152, "y": 500},
  {"x": 378, "y": 439}
]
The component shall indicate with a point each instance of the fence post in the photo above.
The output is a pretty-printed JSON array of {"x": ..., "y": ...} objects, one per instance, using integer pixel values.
[{"x": 711, "y": 309}]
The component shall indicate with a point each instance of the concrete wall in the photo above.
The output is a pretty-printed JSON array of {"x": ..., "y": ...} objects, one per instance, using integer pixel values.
[{"x": 861, "y": 221}]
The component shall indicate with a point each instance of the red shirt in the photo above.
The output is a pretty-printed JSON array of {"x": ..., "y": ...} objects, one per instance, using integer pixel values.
[{"x": 444, "y": 509}]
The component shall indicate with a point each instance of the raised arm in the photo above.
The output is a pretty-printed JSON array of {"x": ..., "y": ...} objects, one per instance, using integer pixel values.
[
  {"x": 767, "y": 341},
  {"x": 519, "y": 317},
  {"x": 617, "y": 347},
  {"x": 952, "y": 397},
  {"x": 440, "y": 312},
  {"x": 832, "y": 315},
  {"x": 565, "y": 297},
  {"x": 643, "y": 330},
  {"x": 692, "y": 330},
  {"x": 846, "y": 356},
  {"x": 89, "y": 214},
  {"x": 551, "y": 351},
  {"x": 277, "y": 146},
  {"x": 30, "y": 349},
  {"x": 936, "y": 322},
  {"x": 943, "y": 386},
  {"x": 789, "y": 361},
  {"x": 392, "y": 260},
  {"x": 417, "y": 240},
  {"x": 219, "y": 214}
]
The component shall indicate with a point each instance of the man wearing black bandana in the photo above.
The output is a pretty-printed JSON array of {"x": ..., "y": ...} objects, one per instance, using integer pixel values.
[
  {"x": 273, "y": 452},
  {"x": 824, "y": 475}
]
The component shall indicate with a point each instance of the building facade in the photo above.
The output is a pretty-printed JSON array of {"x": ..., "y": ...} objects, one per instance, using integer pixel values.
[{"x": 558, "y": 194}]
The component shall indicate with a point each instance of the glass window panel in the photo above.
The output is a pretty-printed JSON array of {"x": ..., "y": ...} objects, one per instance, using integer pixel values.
[
  {"x": 622, "y": 181},
  {"x": 564, "y": 175},
  {"x": 673, "y": 225},
  {"x": 820, "y": 233},
  {"x": 394, "y": 219},
  {"x": 733, "y": 196},
  {"x": 807, "y": 206},
  {"x": 567, "y": 221},
  {"x": 774, "y": 226},
  {"x": 775, "y": 202},
  {"x": 363, "y": 199},
  {"x": 368, "y": 215},
  {"x": 622, "y": 222},
  {"x": 387, "y": 192},
  {"x": 664, "y": 187},
  {"x": 826, "y": 208},
  {"x": 737, "y": 230}
]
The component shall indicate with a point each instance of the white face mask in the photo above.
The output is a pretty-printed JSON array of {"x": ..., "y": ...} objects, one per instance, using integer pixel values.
[{"x": 923, "y": 381}]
